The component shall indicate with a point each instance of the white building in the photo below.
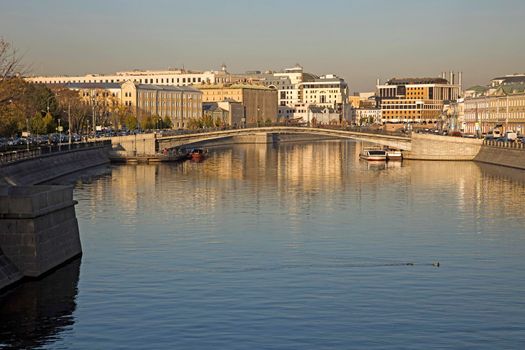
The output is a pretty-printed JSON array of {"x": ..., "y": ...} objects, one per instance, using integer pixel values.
[
  {"x": 297, "y": 90},
  {"x": 175, "y": 77},
  {"x": 366, "y": 116}
]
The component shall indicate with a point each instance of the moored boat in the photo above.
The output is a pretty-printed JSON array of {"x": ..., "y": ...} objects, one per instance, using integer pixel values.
[
  {"x": 373, "y": 154},
  {"x": 392, "y": 154},
  {"x": 197, "y": 154}
]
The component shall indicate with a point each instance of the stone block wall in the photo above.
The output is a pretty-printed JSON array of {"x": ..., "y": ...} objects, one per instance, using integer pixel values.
[
  {"x": 514, "y": 158},
  {"x": 436, "y": 147},
  {"x": 38, "y": 227}
]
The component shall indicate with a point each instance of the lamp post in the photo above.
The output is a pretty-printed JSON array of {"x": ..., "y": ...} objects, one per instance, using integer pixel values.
[{"x": 59, "y": 135}]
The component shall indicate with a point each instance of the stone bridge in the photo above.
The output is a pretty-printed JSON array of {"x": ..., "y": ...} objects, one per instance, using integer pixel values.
[
  {"x": 270, "y": 134},
  {"x": 415, "y": 146}
]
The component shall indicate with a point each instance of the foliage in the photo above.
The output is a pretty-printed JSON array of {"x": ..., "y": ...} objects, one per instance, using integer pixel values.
[
  {"x": 131, "y": 122},
  {"x": 166, "y": 123},
  {"x": 49, "y": 123},
  {"x": 37, "y": 124}
]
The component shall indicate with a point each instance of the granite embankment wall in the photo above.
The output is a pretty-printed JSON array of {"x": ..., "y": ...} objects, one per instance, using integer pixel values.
[
  {"x": 38, "y": 224},
  {"x": 38, "y": 231},
  {"x": 51, "y": 166},
  {"x": 504, "y": 156},
  {"x": 436, "y": 147}
]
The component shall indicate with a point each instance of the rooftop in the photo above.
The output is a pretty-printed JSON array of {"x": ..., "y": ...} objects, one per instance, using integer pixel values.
[{"x": 406, "y": 81}]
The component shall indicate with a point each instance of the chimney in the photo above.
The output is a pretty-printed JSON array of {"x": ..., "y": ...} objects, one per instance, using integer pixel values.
[
  {"x": 460, "y": 79},
  {"x": 450, "y": 77},
  {"x": 378, "y": 81}
]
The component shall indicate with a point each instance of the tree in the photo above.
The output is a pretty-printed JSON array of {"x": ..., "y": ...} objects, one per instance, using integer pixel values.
[
  {"x": 147, "y": 123},
  {"x": 131, "y": 122},
  {"x": 167, "y": 123},
  {"x": 10, "y": 67},
  {"x": 49, "y": 123},
  {"x": 37, "y": 125}
]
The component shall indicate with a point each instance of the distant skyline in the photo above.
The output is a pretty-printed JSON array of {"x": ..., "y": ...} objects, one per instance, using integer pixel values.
[{"x": 357, "y": 40}]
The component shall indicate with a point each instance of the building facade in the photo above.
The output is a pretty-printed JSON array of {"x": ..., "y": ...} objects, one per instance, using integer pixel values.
[
  {"x": 224, "y": 113},
  {"x": 259, "y": 102},
  {"x": 415, "y": 100},
  {"x": 486, "y": 113},
  {"x": 366, "y": 116},
  {"x": 174, "y": 77},
  {"x": 499, "y": 105},
  {"x": 179, "y": 104}
]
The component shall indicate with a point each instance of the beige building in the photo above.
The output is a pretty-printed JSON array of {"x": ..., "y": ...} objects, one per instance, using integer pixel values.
[
  {"x": 415, "y": 100},
  {"x": 224, "y": 113},
  {"x": 260, "y": 103},
  {"x": 500, "y": 105},
  {"x": 486, "y": 113},
  {"x": 180, "y": 104}
]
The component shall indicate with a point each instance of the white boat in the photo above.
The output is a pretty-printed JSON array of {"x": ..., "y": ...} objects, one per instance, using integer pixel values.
[
  {"x": 373, "y": 154},
  {"x": 392, "y": 154}
]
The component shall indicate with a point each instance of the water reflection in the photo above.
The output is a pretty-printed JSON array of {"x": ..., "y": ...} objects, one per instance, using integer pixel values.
[
  {"x": 35, "y": 313},
  {"x": 297, "y": 171}
]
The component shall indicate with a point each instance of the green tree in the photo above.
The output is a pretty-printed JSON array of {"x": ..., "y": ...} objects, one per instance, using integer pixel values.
[
  {"x": 147, "y": 123},
  {"x": 37, "y": 124},
  {"x": 131, "y": 122},
  {"x": 49, "y": 123},
  {"x": 167, "y": 123}
]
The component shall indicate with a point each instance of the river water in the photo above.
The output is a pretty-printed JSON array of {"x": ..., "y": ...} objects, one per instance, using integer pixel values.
[{"x": 284, "y": 247}]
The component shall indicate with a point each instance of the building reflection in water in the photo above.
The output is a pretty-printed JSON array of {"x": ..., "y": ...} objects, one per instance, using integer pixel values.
[
  {"x": 35, "y": 313},
  {"x": 312, "y": 173}
]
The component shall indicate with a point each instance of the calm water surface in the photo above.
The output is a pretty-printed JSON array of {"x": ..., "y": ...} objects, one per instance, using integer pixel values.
[{"x": 286, "y": 247}]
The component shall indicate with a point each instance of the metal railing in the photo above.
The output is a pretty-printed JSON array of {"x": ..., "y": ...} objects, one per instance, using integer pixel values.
[{"x": 19, "y": 155}]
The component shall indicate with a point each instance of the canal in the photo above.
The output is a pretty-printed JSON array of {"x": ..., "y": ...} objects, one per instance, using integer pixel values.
[{"x": 284, "y": 247}]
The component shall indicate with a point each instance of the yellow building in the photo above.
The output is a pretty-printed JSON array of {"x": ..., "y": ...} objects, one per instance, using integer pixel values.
[
  {"x": 260, "y": 103},
  {"x": 486, "y": 113},
  {"x": 415, "y": 100},
  {"x": 500, "y": 105}
]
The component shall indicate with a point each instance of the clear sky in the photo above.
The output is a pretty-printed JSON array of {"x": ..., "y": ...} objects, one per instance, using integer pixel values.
[{"x": 358, "y": 40}]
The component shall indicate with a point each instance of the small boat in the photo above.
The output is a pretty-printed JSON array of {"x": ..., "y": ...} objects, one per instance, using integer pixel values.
[
  {"x": 393, "y": 154},
  {"x": 197, "y": 154},
  {"x": 373, "y": 154}
]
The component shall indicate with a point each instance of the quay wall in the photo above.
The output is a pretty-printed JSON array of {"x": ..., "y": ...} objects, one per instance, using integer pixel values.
[
  {"x": 436, "y": 147},
  {"x": 503, "y": 156},
  {"x": 38, "y": 231},
  {"x": 47, "y": 167}
]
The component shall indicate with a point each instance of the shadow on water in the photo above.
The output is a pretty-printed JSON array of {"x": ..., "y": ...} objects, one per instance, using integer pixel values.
[{"x": 35, "y": 313}]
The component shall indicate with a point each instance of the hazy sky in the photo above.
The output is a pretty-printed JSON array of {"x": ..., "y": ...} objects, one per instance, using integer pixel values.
[{"x": 358, "y": 40}]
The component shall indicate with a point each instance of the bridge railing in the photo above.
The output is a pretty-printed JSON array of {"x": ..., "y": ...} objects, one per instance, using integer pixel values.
[
  {"x": 502, "y": 144},
  {"x": 15, "y": 156},
  {"x": 328, "y": 127}
]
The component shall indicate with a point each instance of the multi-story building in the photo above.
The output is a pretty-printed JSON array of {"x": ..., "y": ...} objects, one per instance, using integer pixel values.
[
  {"x": 415, "y": 100},
  {"x": 260, "y": 103},
  {"x": 366, "y": 116},
  {"x": 297, "y": 88},
  {"x": 224, "y": 112},
  {"x": 501, "y": 105},
  {"x": 180, "y": 104},
  {"x": 176, "y": 77}
]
